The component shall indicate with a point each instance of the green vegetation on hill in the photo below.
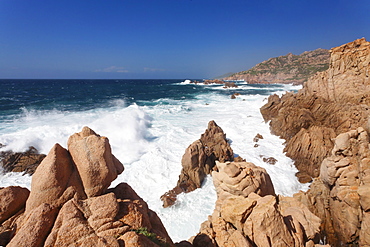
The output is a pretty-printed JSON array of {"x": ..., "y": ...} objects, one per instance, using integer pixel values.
[{"x": 287, "y": 69}]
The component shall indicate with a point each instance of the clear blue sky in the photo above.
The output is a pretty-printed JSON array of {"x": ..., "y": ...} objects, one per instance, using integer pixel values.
[{"x": 166, "y": 38}]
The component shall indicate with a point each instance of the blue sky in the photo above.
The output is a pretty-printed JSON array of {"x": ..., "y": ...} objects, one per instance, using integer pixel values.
[{"x": 128, "y": 39}]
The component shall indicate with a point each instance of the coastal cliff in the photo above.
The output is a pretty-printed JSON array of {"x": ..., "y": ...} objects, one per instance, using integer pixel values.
[
  {"x": 290, "y": 68},
  {"x": 326, "y": 126}
]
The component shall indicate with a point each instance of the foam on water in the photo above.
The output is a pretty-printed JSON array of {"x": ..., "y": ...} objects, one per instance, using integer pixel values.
[{"x": 150, "y": 141}]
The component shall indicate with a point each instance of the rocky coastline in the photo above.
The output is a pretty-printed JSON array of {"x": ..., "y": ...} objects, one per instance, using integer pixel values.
[{"x": 326, "y": 128}]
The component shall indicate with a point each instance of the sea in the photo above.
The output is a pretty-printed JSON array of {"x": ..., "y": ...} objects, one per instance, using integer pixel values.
[{"x": 149, "y": 124}]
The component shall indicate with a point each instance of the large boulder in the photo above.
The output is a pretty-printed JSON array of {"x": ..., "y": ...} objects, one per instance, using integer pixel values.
[
  {"x": 248, "y": 213},
  {"x": 94, "y": 160},
  {"x": 199, "y": 160}
]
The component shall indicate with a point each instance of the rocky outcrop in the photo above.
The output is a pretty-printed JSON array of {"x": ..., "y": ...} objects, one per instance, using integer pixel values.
[
  {"x": 25, "y": 162},
  {"x": 226, "y": 84},
  {"x": 12, "y": 203},
  {"x": 248, "y": 213},
  {"x": 340, "y": 196},
  {"x": 199, "y": 160},
  {"x": 325, "y": 127},
  {"x": 70, "y": 203},
  {"x": 330, "y": 103},
  {"x": 286, "y": 69}
]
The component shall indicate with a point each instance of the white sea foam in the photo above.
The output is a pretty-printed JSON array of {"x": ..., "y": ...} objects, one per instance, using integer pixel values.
[{"x": 150, "y": 141}]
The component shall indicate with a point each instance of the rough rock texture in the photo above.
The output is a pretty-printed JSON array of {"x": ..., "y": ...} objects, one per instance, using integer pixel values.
[
  {"x": 69, "y": 204},
  {"x": 12, "y": 203},
  {"x": 199, "y": 160},
  {"x": 324, "y": 126},
  {"x": 286, "y": 69},
  {"x": 330, "y": 103},
  {"x": 26, "y": 162},
  {"x": 248, "y": 213},
  {"x": 97, "y": 166},
  {"x": 341, "y": 193}
]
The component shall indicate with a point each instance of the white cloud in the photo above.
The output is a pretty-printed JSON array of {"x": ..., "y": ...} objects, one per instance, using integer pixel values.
[
  {"x": 152, "y": 69},
  {"x": 114, "y": 69}
]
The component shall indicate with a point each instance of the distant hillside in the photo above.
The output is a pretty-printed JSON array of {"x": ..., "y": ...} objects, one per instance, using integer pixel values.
[
  {"x": 290, "y": 68},
  {"x": 224, "y": 75}
]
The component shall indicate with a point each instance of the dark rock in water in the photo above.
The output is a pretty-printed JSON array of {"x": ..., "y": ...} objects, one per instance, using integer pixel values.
[
  {"x": 257, "y": 137},
  {"x": 26, "y": 162},
  {"x": 199, "y": 160},
  {"x": 233, "y": 96},
  {"x": 269, "y": 160}
]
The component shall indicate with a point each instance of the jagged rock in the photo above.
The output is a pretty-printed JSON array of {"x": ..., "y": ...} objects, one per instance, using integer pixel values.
[
  {"x": 97, "y": 166},
  {"x": 60, "y": 213},
  {"x": 257, "y": 137},
  {"x": 244, "y": 218},
  {"x": 269, "y": 160},
  {"x": 349, "y": 63},
  {"x": 340, "y": 195},
  {"x": 330, "y": 103},
  {"x": 26, "y": 162},
  {"x": 199, "y": 160}
]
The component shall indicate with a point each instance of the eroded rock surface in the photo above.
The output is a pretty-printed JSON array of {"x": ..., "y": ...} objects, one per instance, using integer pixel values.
[
  {"x": 330, "y": 103},
  {"x": 248, "y": 213},
  {"x": 340, "y": 196}
]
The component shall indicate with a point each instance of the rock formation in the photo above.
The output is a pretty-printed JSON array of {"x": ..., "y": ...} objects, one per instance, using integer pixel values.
[
  {"x": 330, "y": 103},
  {"x": 286, "y": 69},
  {"x": 248, "y": 213},
  {"x": 199, "y": 160},
  {"x": 70, "y": 203},
  {"x": 325, "y": 127},
  {"x": 340, "y": 195},
  {"x": 26, "y": 162}
]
